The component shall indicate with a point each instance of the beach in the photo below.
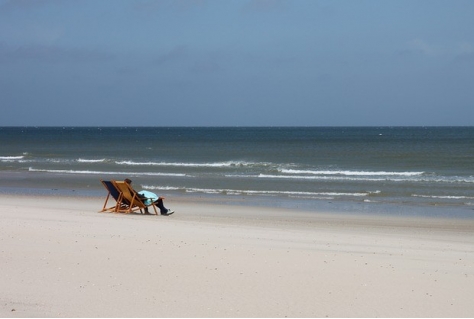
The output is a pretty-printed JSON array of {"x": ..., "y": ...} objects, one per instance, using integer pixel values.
[{"x": 61, "y": 258}]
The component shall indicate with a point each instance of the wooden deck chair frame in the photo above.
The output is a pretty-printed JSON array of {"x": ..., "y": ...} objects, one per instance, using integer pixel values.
[
  {"x": 112, "y": 192},
  {"x": 130, "y": 202}
]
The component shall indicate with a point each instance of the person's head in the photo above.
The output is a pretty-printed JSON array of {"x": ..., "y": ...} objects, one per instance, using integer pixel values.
[{"x": 128, "y": 181}]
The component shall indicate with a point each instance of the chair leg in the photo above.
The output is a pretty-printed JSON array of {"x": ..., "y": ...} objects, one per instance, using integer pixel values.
[
  {"x": 105, "y": 204},
  {"x": 154, "y": 207},
  {"x": 119, "y": 204}
]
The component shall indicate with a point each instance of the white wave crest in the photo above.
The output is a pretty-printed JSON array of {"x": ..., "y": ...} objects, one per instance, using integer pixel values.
[
  {"x": 442, "y": 196},
  {"x": 349, "y": 173},
  {"x": 178, "y": 164},
  {"x": 254, "y": 192},
  {"x": 83, "y": 160},
  {"x": 11, "y": 158},
  {"x": 162, "y": 188},
  {"x": 61, "y": 171},
  {"x": 412, "y": 179}
]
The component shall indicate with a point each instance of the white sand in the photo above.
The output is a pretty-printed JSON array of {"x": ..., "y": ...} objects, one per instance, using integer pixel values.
[{"x": 60, "y": 258}]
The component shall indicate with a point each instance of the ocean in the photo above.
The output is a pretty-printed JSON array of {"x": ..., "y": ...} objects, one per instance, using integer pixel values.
[{"x": 386, "y": 169}]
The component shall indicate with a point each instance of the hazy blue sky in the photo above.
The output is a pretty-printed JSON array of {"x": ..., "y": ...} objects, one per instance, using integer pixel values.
[{"x": 244, "y": 63}]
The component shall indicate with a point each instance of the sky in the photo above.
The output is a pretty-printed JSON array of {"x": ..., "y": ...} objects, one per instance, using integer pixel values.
[{"x": 236, "y": 63}]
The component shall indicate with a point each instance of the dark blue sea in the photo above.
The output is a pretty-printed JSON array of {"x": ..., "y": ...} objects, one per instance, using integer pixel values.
[{"x": 389, "y": 169}]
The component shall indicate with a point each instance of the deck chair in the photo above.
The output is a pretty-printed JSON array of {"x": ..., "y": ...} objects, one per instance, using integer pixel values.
[
  {"x": 112, "y": 192},
  {"x": 130, "y": 202}
]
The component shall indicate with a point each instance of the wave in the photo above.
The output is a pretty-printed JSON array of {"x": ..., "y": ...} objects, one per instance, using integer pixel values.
[
  {"x": 181, "y": 164},
  {"x": 255, "y": 192},
  {"x": 61, "y": 171},
  {"x": 11, "y": 158},
  {"x": 350, "y": 173},
  {"x": 82, "y": 160},
  {"x": 442, "y": 196},
  {"x": 433, "y": 179},
  {"x": 329, "y": 178}
]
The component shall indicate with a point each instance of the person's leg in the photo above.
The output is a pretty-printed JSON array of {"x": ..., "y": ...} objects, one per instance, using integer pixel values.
[{"x": 161, "y": 206}]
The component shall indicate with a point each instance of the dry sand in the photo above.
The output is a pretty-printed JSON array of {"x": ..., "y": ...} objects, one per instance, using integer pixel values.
[{"x": 60, "y": 258}]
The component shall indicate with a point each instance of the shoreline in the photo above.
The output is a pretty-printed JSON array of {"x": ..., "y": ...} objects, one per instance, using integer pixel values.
[
  {"x": 335, "y": 206},
  {"x": 18, "y": 182},
  {"x": 61, "y": 258},
  {"x": 237, "y": 210}
]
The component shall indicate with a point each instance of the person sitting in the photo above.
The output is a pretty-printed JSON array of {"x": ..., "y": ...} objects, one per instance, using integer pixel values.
[{"x": 150, "y": 198}]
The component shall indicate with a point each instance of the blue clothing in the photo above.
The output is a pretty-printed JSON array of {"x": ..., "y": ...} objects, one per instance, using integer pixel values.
[{"x": 150, "y": 197}]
